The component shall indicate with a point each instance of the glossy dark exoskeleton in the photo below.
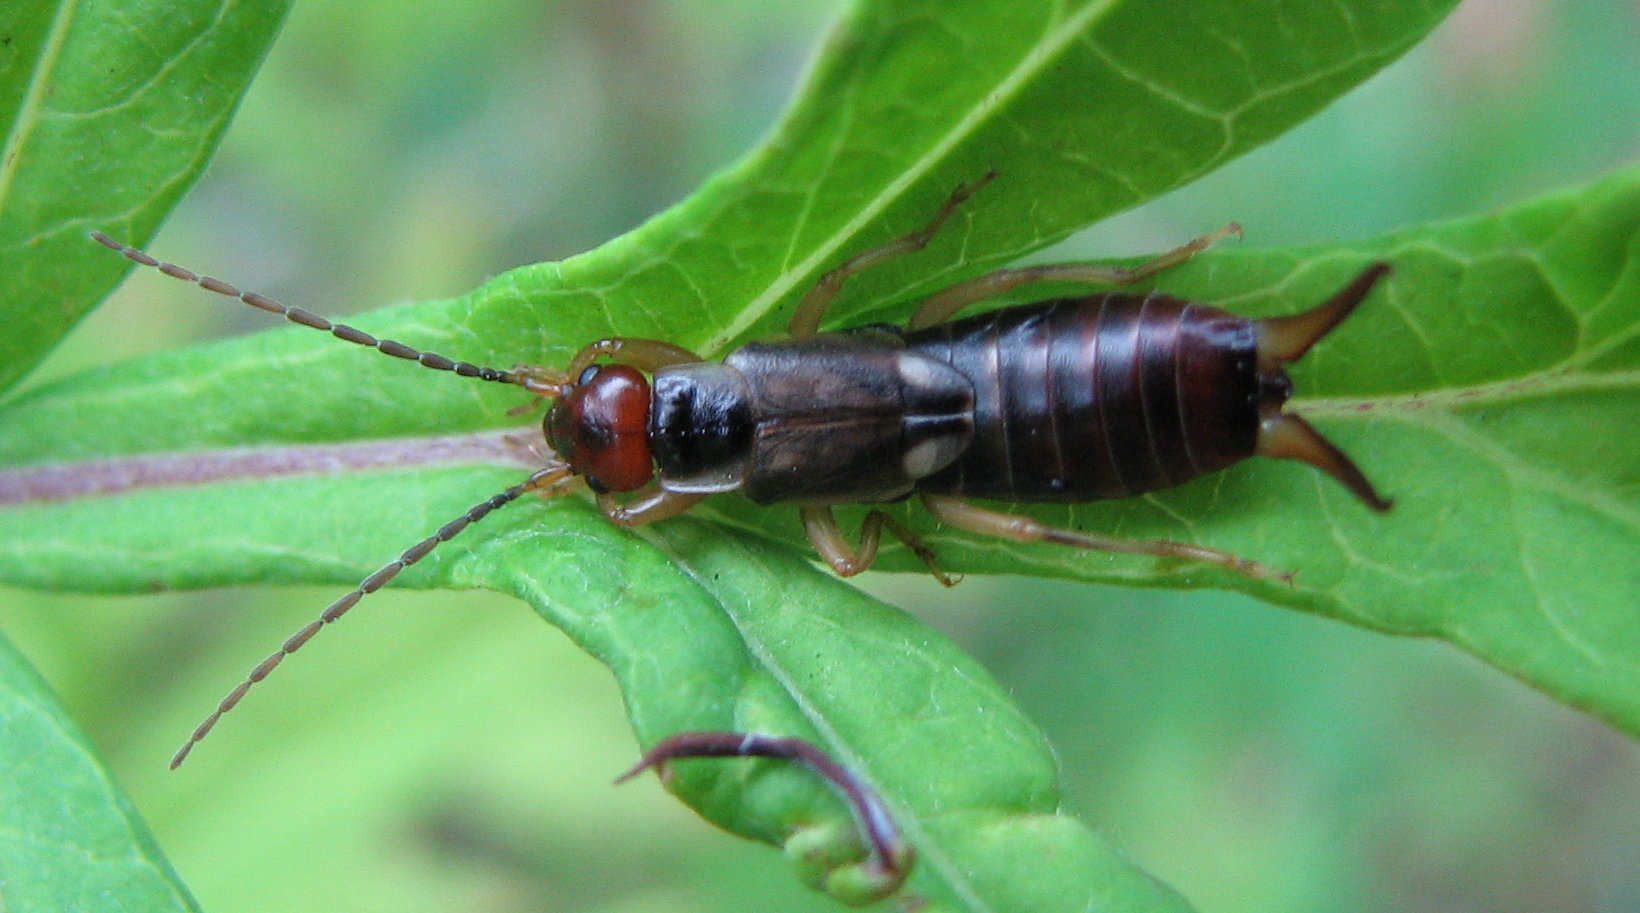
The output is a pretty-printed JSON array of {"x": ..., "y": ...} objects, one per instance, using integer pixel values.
[
  {"x": 1075, "y": 399},
  {"x": 1105, "y": 395}
]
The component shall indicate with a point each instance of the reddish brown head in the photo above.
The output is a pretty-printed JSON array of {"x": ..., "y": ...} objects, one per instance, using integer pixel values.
[{"x": 600, "y": 427}]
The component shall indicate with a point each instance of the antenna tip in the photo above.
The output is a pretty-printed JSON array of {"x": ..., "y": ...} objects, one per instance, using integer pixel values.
[{"x": 644, "y": 763}]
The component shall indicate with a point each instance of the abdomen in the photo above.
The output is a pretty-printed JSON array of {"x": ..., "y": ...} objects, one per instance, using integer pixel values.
[{"x": 1104, "y": 396}]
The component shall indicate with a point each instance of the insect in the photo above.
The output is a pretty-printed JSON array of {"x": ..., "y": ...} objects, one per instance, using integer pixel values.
[{"x": 1106, "y": 395}]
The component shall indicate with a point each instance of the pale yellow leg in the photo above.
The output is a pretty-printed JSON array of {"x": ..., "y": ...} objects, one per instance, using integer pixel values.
[
  {"x": 805, "y": 320},
  {"x": 944, "y": 304},
  {"x": 965, "y": 515},
  {"x": 649, "y": 506},
  {"x": 848, "y": 560},
  {"x": 648, "y": 355}
]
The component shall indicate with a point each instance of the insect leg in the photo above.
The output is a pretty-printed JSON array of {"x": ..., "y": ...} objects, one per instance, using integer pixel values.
[
  {"x": 644, "y": 354},
  {"x": 805, "y": 320},
  {"x": 944, "y": 304},
  {"x": 846, "y": 560},
  {"x": 651, "y": 505},
  {"x": 973, "y": 518}
]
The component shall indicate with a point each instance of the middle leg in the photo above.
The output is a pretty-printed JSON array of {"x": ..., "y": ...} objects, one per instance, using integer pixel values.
[{"x": 847, "y": 560}]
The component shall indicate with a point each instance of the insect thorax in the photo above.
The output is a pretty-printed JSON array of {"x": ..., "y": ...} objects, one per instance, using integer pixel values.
[{"x": 845, "y": 417}]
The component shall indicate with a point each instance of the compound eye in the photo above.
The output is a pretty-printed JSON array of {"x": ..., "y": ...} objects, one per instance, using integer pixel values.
[
  {"x": 601, "y": 428},
  {"x": 559, "y": 427}
]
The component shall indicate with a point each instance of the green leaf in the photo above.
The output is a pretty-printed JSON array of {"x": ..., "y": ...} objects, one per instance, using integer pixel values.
[
  {"x": 110, "y": 111},
  {"x": 1083, "y": 109},
  {"x": 737, "y": 634},
  {"x": 69, "y": 838},
  {"x": 1490, "y": 388},
  {"x": 703, "y": 630}
]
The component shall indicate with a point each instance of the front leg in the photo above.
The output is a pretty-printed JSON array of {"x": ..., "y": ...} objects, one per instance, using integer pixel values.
[
  {"x": 805, "y": 320},
  {"x": 647, "y": 355},
  {"x": 651, "y": 505}
]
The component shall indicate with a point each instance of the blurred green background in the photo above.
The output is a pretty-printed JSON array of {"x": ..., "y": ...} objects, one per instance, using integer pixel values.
[{"x": 451, "y": 752}]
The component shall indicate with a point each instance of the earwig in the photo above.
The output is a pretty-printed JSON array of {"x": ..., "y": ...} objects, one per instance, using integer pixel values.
[{"x": 1105, "y": 395}]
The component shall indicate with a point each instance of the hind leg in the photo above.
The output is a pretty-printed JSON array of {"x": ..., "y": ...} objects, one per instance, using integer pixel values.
[{"x": 964, "y": 515}]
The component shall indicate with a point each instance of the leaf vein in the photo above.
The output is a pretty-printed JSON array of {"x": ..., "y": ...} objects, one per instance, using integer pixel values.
[
  {"x": 28, "y": 117},
  {"x": 1038, "y": 57}
]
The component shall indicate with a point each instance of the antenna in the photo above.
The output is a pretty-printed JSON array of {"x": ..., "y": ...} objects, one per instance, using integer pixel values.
[
  {"x": 550, "y": 477},
  {"x": 339, "y": 330},
  {"x": 539, "y": 381}
]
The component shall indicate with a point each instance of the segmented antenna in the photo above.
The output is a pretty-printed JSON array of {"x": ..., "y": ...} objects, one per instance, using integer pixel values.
[
  {"x": 309, "y": 319},
  {"x": 542, "y": 478},
  {"x": 540, "y": 382}
]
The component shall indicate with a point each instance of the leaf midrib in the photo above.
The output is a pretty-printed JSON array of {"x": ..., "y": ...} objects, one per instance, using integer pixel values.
[
  {"x": 113, "y": 476},
  {"x": 1537, "y": 385}
]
